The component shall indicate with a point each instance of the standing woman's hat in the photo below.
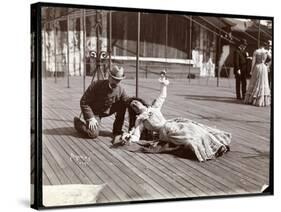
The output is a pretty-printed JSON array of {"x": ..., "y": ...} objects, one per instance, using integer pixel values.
[
  {"x": 117, "y": 73},
  {"x": 164, "y": 72},
  {"x": 269, "y": 43},
  {"x": 244, "y": 42}
]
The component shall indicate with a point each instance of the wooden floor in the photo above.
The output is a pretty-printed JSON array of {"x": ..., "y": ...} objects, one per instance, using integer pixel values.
[{"x": 127, "y": 176}]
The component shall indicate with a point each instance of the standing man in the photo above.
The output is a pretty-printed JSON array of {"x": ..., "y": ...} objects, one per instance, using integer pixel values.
[
  {"x": 240, "y": 68},
  {"x": 101, "y": 99},
  {"x": 268, "y": 61}
]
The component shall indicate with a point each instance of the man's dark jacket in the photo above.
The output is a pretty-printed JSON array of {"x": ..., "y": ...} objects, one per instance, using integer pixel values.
[
  {"x": 99, "y": 98},
  {"x": 240, "y": 62}
]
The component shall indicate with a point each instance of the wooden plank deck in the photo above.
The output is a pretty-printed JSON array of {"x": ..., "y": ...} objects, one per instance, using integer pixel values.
[{"x": 128, "y": 176}]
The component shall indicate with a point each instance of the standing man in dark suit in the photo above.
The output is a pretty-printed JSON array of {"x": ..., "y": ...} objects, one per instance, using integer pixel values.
[
  {"x": 268, "y": 61},
  {"x": 101, "y": 99},
  {"x": 240, "y": 68}
]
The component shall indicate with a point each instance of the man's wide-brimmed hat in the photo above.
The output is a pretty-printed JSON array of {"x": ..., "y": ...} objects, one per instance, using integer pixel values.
[
  {"x": 117, "y": 72},
  {"x": 244, "y": 42}
]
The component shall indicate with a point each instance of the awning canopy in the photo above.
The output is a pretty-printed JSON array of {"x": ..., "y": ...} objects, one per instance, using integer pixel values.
[{"x": 238, "y": 24}]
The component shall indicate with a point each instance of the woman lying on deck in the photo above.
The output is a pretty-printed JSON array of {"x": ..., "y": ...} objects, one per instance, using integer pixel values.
[{"x": 174, "y": 134}]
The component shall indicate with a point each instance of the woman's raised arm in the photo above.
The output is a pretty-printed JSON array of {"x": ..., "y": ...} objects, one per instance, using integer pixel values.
[{"x": 158, "y": 102}]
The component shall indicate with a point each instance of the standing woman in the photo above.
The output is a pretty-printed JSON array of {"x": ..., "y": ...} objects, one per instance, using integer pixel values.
[{"x": 258, "y": 92}]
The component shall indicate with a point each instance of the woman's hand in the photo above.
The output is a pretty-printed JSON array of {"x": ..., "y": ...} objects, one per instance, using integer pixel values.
[
  {"x": 163, "y": 79},
  {"x": 126, "y": 138}
]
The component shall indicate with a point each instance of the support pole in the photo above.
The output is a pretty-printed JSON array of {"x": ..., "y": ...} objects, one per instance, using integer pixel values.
[
  {"x": 83, "y": 20},
  {"x": 74, "y": 44},
  {"x": 218, "y": 74},
  {"x": 166, "y": 40},
  {"x": 259, "y": 34},
  {"x": 68, "y": 62},
  {"x": 137, "y": 53},
  {"x": 98, "y": 28},
  {"x": 55, "y": 50},
  {"x": 81, "y": 57},
  {"x": 190, "y": 48},
  {"x": 110, "y": 37},
  {"x": 45, "y": 48}
]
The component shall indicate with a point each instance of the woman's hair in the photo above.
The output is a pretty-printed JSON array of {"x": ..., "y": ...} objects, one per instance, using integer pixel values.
[
  {"x": 132, "y": 113},
  {"x": 146, "y": 134}
]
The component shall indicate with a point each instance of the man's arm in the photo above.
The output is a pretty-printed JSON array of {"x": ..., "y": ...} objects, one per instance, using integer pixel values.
[
  {"x": 236, "y": 61},
  {"x": 85, "y": 101},
  {"x": 124, "y": 96},
  {"x": 269, "y": 60}
]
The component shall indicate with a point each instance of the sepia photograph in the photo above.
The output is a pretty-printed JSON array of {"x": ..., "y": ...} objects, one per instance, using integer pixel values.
[{"x": 142, "y": 105}]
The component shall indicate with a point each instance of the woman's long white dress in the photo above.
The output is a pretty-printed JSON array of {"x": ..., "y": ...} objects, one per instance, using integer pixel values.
[
  {"x": 258, "y": 91},
  {"x": 206, "y": 142}
]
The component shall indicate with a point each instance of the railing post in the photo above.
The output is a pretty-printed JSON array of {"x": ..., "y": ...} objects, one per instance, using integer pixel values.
[
  {"x": 68, "y": 62},
  {"x": 137, "y": 53}
]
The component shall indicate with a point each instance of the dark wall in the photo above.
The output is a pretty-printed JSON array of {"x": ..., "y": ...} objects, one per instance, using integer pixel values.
[{"x": 153, "y": 34}]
